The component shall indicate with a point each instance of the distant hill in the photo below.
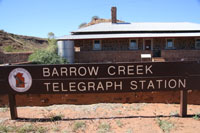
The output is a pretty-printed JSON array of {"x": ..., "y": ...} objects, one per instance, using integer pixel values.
[{"x": 18, "y": 43}]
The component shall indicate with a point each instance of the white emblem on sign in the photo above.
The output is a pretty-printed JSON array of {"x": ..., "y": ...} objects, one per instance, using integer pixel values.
[{"x": 20, "y": 80}]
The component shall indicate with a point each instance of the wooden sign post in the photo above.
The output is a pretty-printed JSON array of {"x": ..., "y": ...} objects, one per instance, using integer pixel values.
[
  {"x": 13, "y": 106},
  {"x": 99, "y": 78},
  {"x": 183, "y": 103}
]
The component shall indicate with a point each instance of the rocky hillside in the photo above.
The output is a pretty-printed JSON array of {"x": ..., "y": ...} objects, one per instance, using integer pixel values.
[
  {"x": 97, "y": 20},
  {"x": 18, "y": 43}
]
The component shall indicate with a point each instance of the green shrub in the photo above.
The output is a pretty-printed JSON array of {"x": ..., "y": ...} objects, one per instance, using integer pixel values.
[
  {"x": 30, "y": 128},
  {"x": 104, "y": 128},
  {"x": 8, "y": 48},
  {"x": 78, "y": 125},
  {"x": 119, "y": 123},
  {"x": 196, "y": 116},
  {"x": 52, "y": 47},
  {"x": 6, "y": 128},
  {"x": 46, "y": 57},
  {"x": 165, "y": 125}
]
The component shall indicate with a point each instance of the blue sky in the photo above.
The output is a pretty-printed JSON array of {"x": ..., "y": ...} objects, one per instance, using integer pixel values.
[{"x": 38, "y": 17}]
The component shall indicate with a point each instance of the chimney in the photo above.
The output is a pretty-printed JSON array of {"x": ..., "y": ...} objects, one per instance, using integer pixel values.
[{"x": 114, "y": 15}]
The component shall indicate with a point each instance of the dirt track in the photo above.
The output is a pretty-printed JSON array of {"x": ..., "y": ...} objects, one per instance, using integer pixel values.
[{"x": 101, "y": 118}]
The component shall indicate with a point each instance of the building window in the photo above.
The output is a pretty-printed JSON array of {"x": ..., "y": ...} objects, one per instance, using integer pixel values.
[
  {"x": 170, "y": 44},
  {"x": 197, "y": 44},
  {"x": 97, "y": 45},
  {"x": 133, "y": 44}
]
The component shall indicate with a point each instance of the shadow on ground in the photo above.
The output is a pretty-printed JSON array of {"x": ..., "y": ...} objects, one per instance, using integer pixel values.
[{"x": 97, "y": 118}]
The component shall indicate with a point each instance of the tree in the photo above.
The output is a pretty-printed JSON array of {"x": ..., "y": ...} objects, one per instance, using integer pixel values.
[
  {"x": 82, "y": 25},
  {"x": 52, "y": 46},
  {"x": 51, "y": 35},
  {"x": 48, "y": 55},
  {"x": 52, "y": 43},
  {"x": 95, "y": 18}
]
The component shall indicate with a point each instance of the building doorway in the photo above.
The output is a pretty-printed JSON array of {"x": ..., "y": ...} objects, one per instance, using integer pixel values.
[
  {"x": 156, "y": 53},
  {"x": 147, "y": 44}
]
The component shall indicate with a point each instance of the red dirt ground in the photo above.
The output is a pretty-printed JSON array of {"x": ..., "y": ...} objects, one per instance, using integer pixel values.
[{"x": 102, "y": 118}]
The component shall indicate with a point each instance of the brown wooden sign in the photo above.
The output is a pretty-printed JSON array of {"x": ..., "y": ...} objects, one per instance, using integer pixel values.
[
  {"x": 96, "y": 78},
  {"x": 99, "y": 78},
  {"x": 107, "y": 70}
]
